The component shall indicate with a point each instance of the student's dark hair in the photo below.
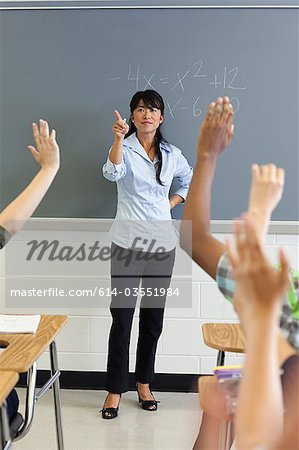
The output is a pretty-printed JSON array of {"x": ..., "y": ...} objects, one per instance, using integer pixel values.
[{"x": 151, "y": 99}]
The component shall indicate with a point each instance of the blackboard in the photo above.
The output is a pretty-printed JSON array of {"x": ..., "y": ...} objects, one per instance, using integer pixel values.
[{"x": 74, "y": 67}]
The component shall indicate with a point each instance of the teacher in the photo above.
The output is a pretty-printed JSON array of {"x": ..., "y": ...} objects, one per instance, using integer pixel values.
[{"x": 143, "y": 166}]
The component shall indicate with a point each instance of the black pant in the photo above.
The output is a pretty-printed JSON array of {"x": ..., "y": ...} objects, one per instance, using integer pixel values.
[{"x": 128, "y": 268}]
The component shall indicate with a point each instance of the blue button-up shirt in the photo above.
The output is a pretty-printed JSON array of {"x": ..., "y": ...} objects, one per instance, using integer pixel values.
[{"x": 140, "y": 197}]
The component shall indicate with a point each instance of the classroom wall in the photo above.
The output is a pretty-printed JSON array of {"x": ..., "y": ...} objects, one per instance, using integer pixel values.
[{"x": 82, "y": 345}]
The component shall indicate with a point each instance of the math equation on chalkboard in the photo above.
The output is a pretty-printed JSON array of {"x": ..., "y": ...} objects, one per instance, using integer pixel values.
[{"x": 194, "y": 79}]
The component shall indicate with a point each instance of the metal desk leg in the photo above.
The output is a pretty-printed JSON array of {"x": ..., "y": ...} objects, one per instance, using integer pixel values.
[
  {"x": 225, "y": 435},
  {"x": 4, "y": 428},
  {"x": 220, "y": 358},
  {"x": 56, "y": 393},
  {"x": 30, "y": 403}
]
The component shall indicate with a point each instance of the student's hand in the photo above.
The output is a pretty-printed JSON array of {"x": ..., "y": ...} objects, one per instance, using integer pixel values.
[
  {"x": 266, "y": 190},
  {"x": 46, "y": 152},
  {"x": 120, "y": 128},
  {"x": 217, "y": 129},
  {"x": 259, "y": 286}
]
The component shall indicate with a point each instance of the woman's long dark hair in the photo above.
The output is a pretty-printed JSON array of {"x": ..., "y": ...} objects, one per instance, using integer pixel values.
[{"x": 151, "y": 99}]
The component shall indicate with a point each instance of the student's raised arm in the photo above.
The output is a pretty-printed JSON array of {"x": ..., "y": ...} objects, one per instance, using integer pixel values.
[
  {"x": 46, "y": 153},
  {"x": 216, "y": 133},
  {"x": 258, "y": 295},
  {"x": 267, "y": 183}
]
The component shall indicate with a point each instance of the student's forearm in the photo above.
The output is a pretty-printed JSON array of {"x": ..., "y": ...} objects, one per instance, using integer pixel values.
[
  {"x": 116, "y": 151},
  {"x": 262, "y": 220},
  {"x": 198, "y": 202},
  {"x": 265, "y": 193},
  {"x": 259, "y": 417},
  {"x": 19, "y": 210}
]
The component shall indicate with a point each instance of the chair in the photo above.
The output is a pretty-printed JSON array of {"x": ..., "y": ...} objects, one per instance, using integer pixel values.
[{"x": 224, "y": 337}]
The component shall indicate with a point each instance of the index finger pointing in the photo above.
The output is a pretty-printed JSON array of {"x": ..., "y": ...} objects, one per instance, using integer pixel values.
[{"x": 117, "y": 115}]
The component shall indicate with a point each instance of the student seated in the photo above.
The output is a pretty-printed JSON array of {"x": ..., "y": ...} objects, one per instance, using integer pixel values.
[
  {"x": 215, "y": 135},
  {"x": 15, "y": 215},
  {"x": 259, "y": 418}
]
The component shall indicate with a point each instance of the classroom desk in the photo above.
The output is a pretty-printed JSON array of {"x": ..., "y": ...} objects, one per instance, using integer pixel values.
[
  {"x": 8, "y": 380},
  {"x": 21, "y": 355}
]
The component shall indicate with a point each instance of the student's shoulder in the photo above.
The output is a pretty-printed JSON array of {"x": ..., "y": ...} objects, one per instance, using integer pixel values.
[{"x": 224, "y": 278}]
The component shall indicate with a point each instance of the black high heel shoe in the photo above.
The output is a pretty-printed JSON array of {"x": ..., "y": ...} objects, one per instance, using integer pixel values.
[
  {"x": 110, "y": 413},
  {"x": 147, "y": 405}
]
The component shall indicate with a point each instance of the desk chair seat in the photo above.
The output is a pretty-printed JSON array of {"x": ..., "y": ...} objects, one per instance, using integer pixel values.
[{"x": 224, "y": 337}]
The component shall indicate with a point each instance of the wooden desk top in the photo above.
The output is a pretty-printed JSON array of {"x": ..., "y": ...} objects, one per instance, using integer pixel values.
[
  {"x": 8, "y": 380},
  {"x": 24, "y": 349},
  {"x": 228, "y": 337}
]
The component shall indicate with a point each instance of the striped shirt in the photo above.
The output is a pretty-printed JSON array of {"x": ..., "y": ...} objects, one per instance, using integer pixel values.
[{"x": 289, "y": 317}]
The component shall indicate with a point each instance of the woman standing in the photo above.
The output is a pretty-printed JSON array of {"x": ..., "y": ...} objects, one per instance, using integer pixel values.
[{"x": 143, "y": 165}]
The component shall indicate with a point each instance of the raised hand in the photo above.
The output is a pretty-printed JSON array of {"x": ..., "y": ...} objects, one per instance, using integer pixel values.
[
  {"x": 217, "y": 129},
  {"x": 265, "y": 193},
  {"x": 46, "y": 152},
  {"x": 259, "y": 286},
  {"x": 120, "y": 128}
]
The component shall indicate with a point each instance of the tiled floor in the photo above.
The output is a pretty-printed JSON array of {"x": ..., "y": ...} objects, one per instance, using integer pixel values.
[{"x": 173, "y": 426}]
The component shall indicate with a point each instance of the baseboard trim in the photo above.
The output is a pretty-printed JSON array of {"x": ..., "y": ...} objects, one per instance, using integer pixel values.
[{"x": 163, "y": 382}]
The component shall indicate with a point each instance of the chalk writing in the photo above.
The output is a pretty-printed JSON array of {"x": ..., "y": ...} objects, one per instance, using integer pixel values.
[
  {"x": 148, "y": 82},
  {"x": 193, "y": 81},
  {"x": 132, "y": 78},
  {"x": 196, "y": 111},
  {"x": 197, "y": 74},
  {"x": 172, "y": 108},
  {"x": 179, "y": 83}
]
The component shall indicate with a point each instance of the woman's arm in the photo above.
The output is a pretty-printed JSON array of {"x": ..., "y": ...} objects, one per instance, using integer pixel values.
[
  {"x": 215, "y": 135},
  {"x": 119, "y": 129},
  {"x": 183, "y": 176},
  {"x": 114, "y": 168},
  {"x": 46, "y": 153},
  {"x": 175, "y": 200}
]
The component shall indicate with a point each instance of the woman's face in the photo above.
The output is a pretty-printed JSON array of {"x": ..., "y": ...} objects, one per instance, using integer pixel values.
[{"x": 146, "y": 120}]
